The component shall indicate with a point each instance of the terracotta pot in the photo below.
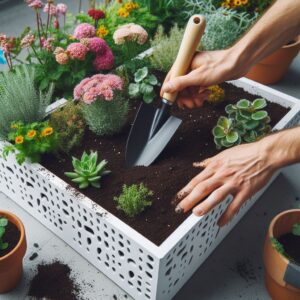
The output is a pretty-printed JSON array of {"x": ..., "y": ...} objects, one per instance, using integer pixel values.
[
  {"x": 282, "y": 277},
  {"x": 11, "y": 265},
  {"x": 272, "y": 68}
]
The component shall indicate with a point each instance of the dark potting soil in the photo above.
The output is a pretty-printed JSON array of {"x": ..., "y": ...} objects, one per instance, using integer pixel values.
[
  {"x": 11, "y": 236},
  {"x": 291, "y": 245},
  {"x": 53, "y": 282},
  {"x": 173, "y": 169}
]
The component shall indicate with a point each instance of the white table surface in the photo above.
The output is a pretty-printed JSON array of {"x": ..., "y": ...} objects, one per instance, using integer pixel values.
[{"x": 221, "y": 277}]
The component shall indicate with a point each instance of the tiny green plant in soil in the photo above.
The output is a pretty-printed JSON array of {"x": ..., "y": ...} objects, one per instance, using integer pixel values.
[
  {"x": 31, "y": 141},
  {"x": 134, "y": 199},
  {"x": 143, "y": 86},
  {"x": 296, "y": 229},
  {"x": 87, "y": 171},
  {"x": 3, "y": 224},
  {"x": 245, "y": 122}
]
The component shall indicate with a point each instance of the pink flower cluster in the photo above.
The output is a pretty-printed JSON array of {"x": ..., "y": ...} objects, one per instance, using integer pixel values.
[
  {"x": 47, "y": 43},
  {"x": 35, "y": 4},
  {"x": 84, "y": 30},
  {"x": 50, "y": 9},
  {"x": 7, "y": 43},
  {"x": 27, "y": 40},
  {"x": 130, "y": 32},
  {"x": 61, "y": 9},
  {"x": 77, "y": 51},
  {"x": 98, "y": 87}
]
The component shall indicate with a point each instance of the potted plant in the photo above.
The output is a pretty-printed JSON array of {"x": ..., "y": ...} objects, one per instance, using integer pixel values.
[
  {"x": 272, "y": 68},
  {"x": 282, "y": 256},
  {"x": 12, "y": 250}
]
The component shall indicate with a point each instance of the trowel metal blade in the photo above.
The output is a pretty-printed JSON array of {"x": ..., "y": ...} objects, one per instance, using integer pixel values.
[{"x": 142, "y": 149}]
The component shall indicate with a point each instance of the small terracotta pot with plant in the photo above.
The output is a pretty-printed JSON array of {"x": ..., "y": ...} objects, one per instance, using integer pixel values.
[
  {"x": 282, "y": 256},
  {"x": 271, "y": 69},
  {"x": 12, "y": 250}
]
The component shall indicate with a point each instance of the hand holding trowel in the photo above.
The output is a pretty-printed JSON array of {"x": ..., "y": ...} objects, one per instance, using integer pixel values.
[{"x": 153, "y": 128}]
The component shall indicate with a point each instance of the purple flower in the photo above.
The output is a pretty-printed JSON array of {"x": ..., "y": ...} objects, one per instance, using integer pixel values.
[{"x": 36, "y": 4}]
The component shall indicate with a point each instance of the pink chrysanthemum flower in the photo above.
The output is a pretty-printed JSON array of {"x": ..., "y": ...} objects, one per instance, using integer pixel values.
[
  {"x": 84, "y": 30},
  {"x": 130, "y": 32},
  {"x": 61, "y": 9},
  {"x": 77, "y": 51},
  {"x": 50, "y": 9},
  {"x": 27, "y": 40},
  {"x": 47, "y": 43},
  {"x": 59, "y": 50},
  {"x": 62, "y": 58},
  {"x": 97, "y": 45},
  {"x": 36, "y": 4},
  {"x": 104, "y": 61},
  {"x": 98, "y": 87}
]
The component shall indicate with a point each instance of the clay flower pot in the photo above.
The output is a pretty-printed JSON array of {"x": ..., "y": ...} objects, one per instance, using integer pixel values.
[
  {"x": 11, "y": 264},
  {"x": 272, "y": 68},
  {"x": 282, "y": 277}
]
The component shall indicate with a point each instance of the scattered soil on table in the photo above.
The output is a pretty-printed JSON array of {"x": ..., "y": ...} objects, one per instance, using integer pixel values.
[
  {"x": 245, "y": 270},
  {"x": 291, "y": 245},
  {"x": 11, "y": 236},
  {"x": 192, "y": 142},
  {"x": 53, "y": 281}
]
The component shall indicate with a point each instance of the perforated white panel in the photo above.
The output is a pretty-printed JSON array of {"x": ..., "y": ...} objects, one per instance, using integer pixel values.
[{"x": 141, "y": 268}]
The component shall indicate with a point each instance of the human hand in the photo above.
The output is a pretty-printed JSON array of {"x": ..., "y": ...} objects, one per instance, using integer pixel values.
[
  {"x": 207, "y": 68},
  {"x": 240, "y": 171}
]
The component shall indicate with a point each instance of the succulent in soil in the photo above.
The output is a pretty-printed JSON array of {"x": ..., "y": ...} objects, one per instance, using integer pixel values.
[
  {"x": 3, "y": 224},
  {"x": 246, "y": 122},
  {"x": 87, "y": 171}
]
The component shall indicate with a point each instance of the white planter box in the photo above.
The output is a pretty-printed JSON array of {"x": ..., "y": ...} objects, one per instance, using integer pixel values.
[{"x": 141, "y": 268}]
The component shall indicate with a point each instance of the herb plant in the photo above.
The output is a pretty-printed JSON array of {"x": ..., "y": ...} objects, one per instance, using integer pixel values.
[
  {"x": 3, "y": 224},
  {"x": 143, "y": 86},
  {"x": 69, "y": 125},
  {"x": 87, "y": 171},
  {"x": 19, "y": 98},
  {"x": 31, "y": 141},
  {"x": 246, "y": 122},
  {"x": 134, "y": 199}
]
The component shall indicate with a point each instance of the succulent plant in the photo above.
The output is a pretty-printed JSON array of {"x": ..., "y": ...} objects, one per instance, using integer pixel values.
[
  {"x": 86, "y": 170},
  {"x": 3, "y": 224},
  {"x": 296, "y": 229},
  {"x": 143, "y": 86},
  {"x": 246, "y": 122}
]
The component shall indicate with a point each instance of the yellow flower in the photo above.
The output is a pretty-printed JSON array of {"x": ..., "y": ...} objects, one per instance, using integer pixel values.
[
  {"x": 217, "y": 94},
  {"x": 47, "y": 131},
  {"x": 19, "y": 139},
  {"x": 237, "y": 2},
  {"x": 31, "y": 134},
  {"x": 122, "y": 12},
  {"x": 13, "y": 126},
  {"x": 244, "y": 2},
  {"x": 102, "y": 31}
]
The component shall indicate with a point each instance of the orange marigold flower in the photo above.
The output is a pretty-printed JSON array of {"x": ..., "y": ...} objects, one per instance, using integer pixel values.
[
  {"x": 47, "y": 131},
  {"x": 122, "y": 12},
  {"x": 31, "y": 133},
  {"x": 19, "y": 139},
  {"x": 102, "y": 31}
]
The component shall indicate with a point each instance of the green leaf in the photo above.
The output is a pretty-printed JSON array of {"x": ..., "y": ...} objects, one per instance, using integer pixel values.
[
  {"x": 96, "y": 184},
  {"x": 218, "y": 132},
  {"x": 44, "y": 84},
  {"x": 230, "y": 109},
  {"x": 296, "y": 229},
  {"x": 232, "y": 137},
  {"x": 226, "y": 144},
  {"x": 259, "y": 103},
  {"x": 148, "y": 98},
  {"x": 243, "y": 104},
  {"x": 83, "y": 185},
  {"x": 3, "y": 246},
  {"x": 71, "y": 174},
  {"x": 245, "y": 114},
  {"x": 3, "y": 222},
  {"x": 2, "y": 231},
  {"x": 79, "y": 179},
  {"x": 133, "y": 90},
  {"x": 252, "y": 124},
  {"x": 140, "y": 74},
  {"x": 95, "y": 178},
  {"x": 151, "y": 80},
  {"x": 146, "y": 88},
  {"x": 259, "y": 115},
  {"x": 224, "y": 122}
]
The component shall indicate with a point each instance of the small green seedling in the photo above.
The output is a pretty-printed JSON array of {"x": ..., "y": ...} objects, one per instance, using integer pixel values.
[
  {"x": 278, "y": 246},
  {"x": 3, "y": 224},
  {"x": 296, "y": 229},
  {"x": 86, "y": 170},
  {"x": 134, "y": 199},
  {"x": 143, "y": 86},
  {"x": 246, "y": 122}
]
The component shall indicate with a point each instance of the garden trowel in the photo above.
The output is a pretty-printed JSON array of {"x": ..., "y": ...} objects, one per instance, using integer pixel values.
[{"x": 154, "y": 127}]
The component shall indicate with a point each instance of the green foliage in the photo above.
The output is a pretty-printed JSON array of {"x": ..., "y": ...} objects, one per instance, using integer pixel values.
[
  {"x": 106, "y": 117},
  {"x": 19, "y": 98},
  {"x": 143, "y": 86},
  {"x": 69, "y": 125},
  {"x": 224, "y": 26},
  {"x": 3, "y": 224},
  {"x": 134, "y": 199},
  {"x": 296, "y": 229},
  {"x": 278, "y": 247},
  {"x": 31, "y": 141},
  {"x": 165, "y": 48},
  {"x": 86, "y": 170},
  {"x": 246, "y": 122}
]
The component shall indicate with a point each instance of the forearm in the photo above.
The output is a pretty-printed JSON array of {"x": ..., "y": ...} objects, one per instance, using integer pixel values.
[
  {"x": 282, "y": 148},
  {"x": 278, "y": 26}
]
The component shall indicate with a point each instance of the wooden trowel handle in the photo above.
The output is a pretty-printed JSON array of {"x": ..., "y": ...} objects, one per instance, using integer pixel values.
[{"x": 190, "y": 41}]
